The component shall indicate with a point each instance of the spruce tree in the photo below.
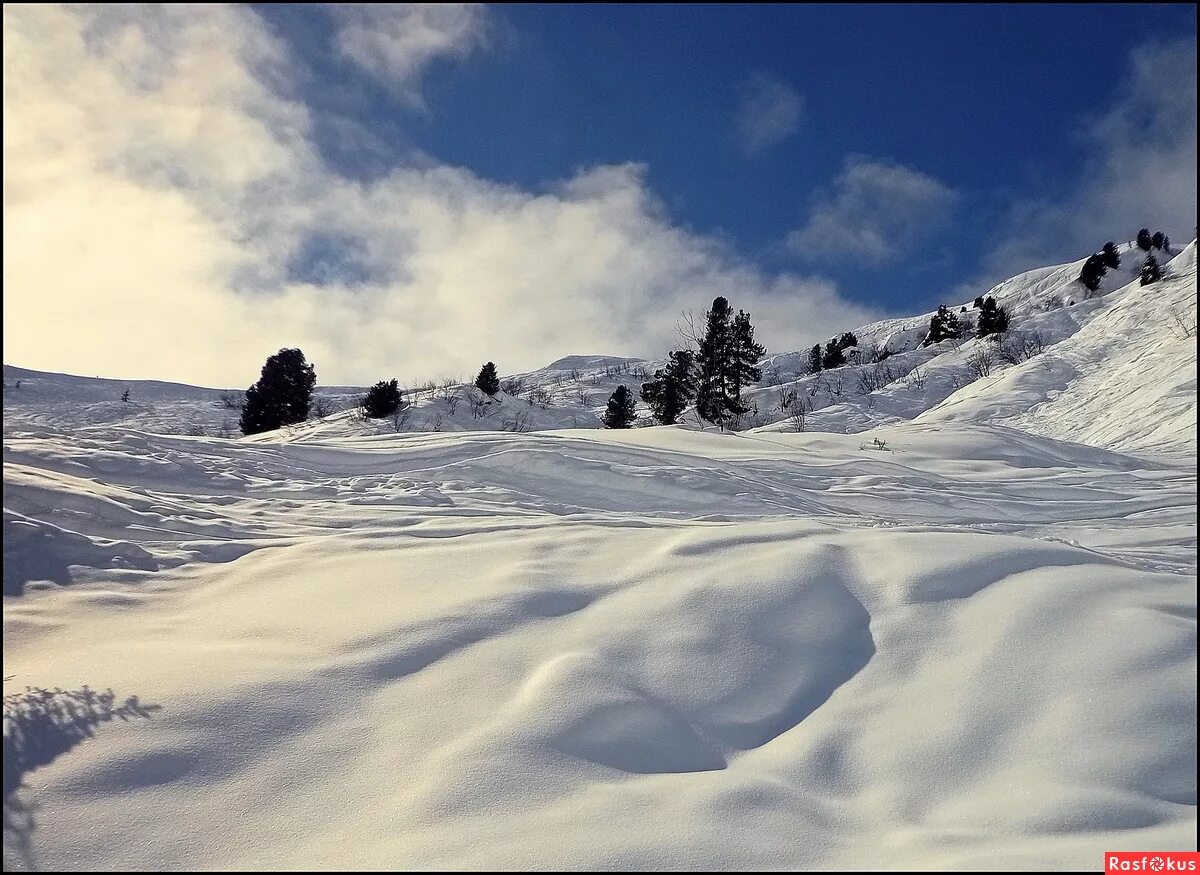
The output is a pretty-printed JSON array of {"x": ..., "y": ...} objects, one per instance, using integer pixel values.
[
  {"x": 1109, "y": 255},
  {"x": 833, "y": 357},
  {"x": 672, "y": 388},
  {"x": 712, "y": 390},
  {"x": 1157, "y": 240},
  {"x": 745, "y": 354},
  {"x": 282, "y": 394},
  {"x": 1092, "y": 272},
  {"x": 619, "y": 413},
  {"x": 488, "y": 381},
  {"x": 382, "y": 399},
  {"x": 943, "y": 325},
  {"x": 1151, "y": 272},
  {"x": 1144, "y": 240},
  {"x": 993, "y": 319},
  {"x": 815, "y": 361}
]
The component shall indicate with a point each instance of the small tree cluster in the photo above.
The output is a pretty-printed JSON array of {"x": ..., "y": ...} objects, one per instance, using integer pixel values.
[
  {"x": 834, "y": 355},
  {"x": 993, "y": 319},
  {"x": 1098, "y": 264},
  {"x": 815, "y": 359},
  {"x": 382, "y": 400},
  {"x": 727, "y": 362},
  {"x": 488, "y": 381},
  {"x": 282, "y": 394},
  {"x": 1151, "y": 272},
  {"x": 619, "y": 413},
  {"x": 943, "y": 325},
  {"x": 1158, "y": 240},
  {"x": 672, "y": 388}
]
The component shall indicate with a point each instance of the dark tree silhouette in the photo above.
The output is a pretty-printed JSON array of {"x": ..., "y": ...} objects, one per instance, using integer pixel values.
[
  {"x": 943, "y": 325},
  {"x": 619, "y": 412},
  {"x": 744, "y": 356},
  {"x": 488, "y": 381},
  {"x": 993, "y": 319},
  {"x": 1109, "y": 256},
  {"x": 1157, "y": 240},
  {"x": 713, "y": 359},
  {"x": 1144, "y": 241},
  {"x": 1151, "y": 272},
  {"x": 382, "y": 399},
  {"x": 672, "y": 388},
  {"x": 833, "y": 356},
  {"x": 1092, "y": 272},
  {"x": 815, "y": 359},
  {"x": 282, "y": 394}
]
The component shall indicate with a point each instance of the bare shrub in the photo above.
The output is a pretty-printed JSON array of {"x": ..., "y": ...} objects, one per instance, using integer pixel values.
[
  {"x": 1183, "y": 324},
  {"x": 518, "y": 422},
  {"x": 400, "y": 417},
  {"x": 584, "y": 397},
  {"x": 228, "y": 400},
  {"x": 1016, "y": 348},
  {"x": 796, "y": 411},
  {"x": 513, "y": 386},
  {"x": 981, "y": 361},
  {"x": 916, "y": 378},
  {"x": 322, "y": 407}
]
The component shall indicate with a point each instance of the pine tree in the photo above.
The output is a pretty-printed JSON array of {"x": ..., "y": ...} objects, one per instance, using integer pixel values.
[
  {"x": 1092, "y": 272},
  {"x": 712, "y": 390},
  {"x": 1109, "y": 256},
  {"x": 672, "y": 388},
  {"x": 978, "y": 303},
  {"x": 619, "y": 413},
  {"x": 282, "y": 394},
  {"x": 1151, "y": 272},
  {"x": 488, "y": 381},
  {"x": 1144, "y": 240},
  {"x": 1157, "y": 240},
  {"x": 815, "y": 361},
  {"x": 833, "y": 356},
  {"x": 847, "y": 340},
  {"x": 382, "y": 399},
  {"x": 993, "y": 319},
  {"x": 745, "y": 354},
  {"x": 943, "y": 325},
  {"x": 125, "y": 396}
]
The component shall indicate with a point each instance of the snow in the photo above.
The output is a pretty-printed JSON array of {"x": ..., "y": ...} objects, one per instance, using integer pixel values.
[{"x": 347, "y": 647}]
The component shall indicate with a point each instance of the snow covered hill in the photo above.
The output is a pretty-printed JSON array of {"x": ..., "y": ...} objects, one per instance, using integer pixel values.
[{"x": 962, "y": 635}]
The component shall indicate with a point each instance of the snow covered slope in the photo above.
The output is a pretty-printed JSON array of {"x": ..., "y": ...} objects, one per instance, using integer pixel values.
[{"x": 963, "y": 638}]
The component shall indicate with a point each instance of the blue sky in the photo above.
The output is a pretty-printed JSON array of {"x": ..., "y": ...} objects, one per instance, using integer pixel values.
[
  {"x": 987, "y": 100},
  {"x": 410, "y": 191}
]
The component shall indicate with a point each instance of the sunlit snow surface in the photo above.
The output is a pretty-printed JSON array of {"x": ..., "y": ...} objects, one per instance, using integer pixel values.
[{"x": 972, "y": 648}]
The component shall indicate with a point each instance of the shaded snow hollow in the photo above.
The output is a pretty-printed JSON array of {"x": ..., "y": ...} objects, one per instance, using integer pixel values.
[{"x": 656, "y": 648}]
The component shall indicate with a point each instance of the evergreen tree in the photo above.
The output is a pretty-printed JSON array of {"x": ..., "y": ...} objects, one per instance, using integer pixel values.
[
  {"x": 814, "y": 359},
  {"x": 712, "y": 390},
  {"x": 847, "y": 340},
  {"x": 1109, "y": 255},
  {"x": 943, "y": 325},
  {"x": 619, "y": 413},
  {"x": 382, "y": 399},
  {"x": 978, "y": 303},
  {"x": 745, "y": 354},
  {"x": 125, "y": 396},
  {"x": 672, "y": 388},
  {"x": 1151, "y": 272},
  {"x": 1144, "y": 240},
  {"x": 1157, "y": 240},
  {"x": 488, "y": 381},
  {"x": 833, "y": 357},
  {"x": 993, "y": 319},
  {"x": 282, "y": 394},
  {"x": 1092, "y": 272}
]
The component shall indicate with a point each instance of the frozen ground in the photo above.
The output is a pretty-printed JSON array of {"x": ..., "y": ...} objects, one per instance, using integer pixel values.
[{"x": 657, "y": 648}]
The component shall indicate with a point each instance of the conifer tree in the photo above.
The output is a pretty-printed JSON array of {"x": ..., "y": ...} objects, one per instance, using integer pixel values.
[
  {"x": 713, "y": 359},
  {"x": 943, "y": 325},
  {"x": 1157, "y": 240},
  {"x": 1109, "y": 255},
  {"x": 833, "y": 357},
  {"x": 744, "y": 355},
  {"x": 672, "y": 388},
  {"x": 488, "y": 381},
  {"x": 1144, "y": 240},
  {"x": 282, "y": 394},
  {"x": 815, "y": 361},
  {"x": 1151, "y": 272},
  {"x": 1093, "y": 271},
  {"x": 619, "y": 413},
  {"x": 382, "y": 399},
  {"x": 993, "y": 319}
]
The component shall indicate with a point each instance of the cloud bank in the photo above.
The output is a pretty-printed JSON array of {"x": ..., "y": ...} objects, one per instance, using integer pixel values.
[
  {"x": 168, "y": 216},
  {"x": 874, "y": 211}
]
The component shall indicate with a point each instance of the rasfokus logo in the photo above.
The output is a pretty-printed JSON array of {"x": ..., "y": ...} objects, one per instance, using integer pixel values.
[{"x": 1151, "y": 861}]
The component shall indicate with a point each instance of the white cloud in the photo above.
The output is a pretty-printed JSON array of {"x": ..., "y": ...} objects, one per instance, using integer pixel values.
[
  {"x": 874, "y": 211},
  {"x": 768, "y": 112},
  {"x": 395, "y": 42},
  {"x": 163, "y": 196},
  {"x": 1139, "y": 170}
]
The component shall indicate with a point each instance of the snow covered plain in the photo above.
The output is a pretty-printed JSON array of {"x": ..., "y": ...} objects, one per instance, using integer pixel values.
[{"x": 657, "y": 648}]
